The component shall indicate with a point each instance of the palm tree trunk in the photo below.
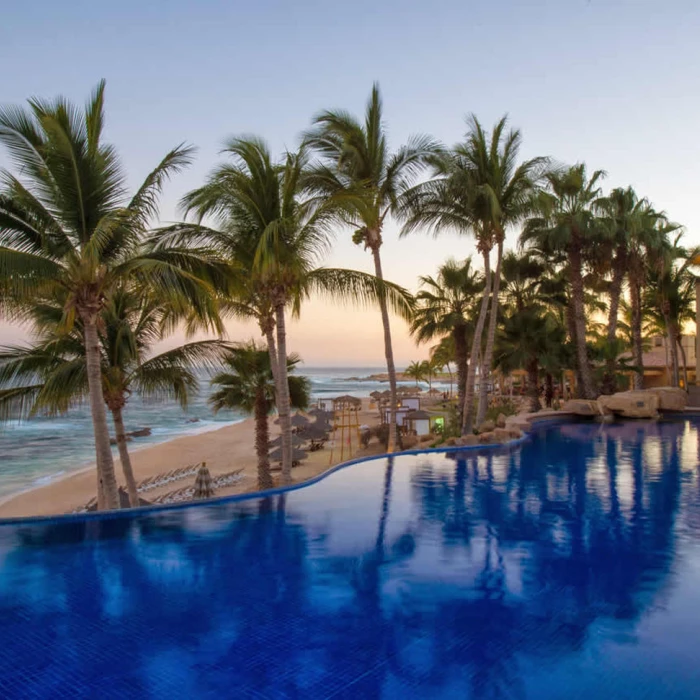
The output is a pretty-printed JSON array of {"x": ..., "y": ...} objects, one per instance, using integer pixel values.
[
  {"x": 262, "y": 441},
  {"x": 107, "y": 497},
  {"x": 672, "y": 335},
  {"x": 388, "y": 351},
  {"x": 490, "y": 339},
  {"x": 533, "y": 379},
  {"x": 269, "y": 332},
  {"x": 124, "y": 458},
  {"x": 685, "y": 361},
  {"x": 615, "y": 292},
  {"x": 461, "y": 360},
  {"x": 571, "y": 328},
  {"x": 548, "y": 389},
  {"x": 637, "y": 350},
  {"x": 468, "y": 415},
  {"x": 283, "y": 400},
  {"x": 588, "y": 390}
]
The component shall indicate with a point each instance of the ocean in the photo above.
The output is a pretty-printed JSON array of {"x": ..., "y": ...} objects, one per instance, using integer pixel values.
[{"x": 42, "y": 449}]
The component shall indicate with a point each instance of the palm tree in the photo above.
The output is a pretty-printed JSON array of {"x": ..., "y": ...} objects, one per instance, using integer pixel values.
[
  {"x": 479, "y": 189},
  {"x": 266, "y": 227},
  {"x": 363, "y": 181},
  {"x": 67, "y": 229},
  {"x": 445, "y": 305},
  {"x": 444, "y": 355},
  {"x": 622, "y": 215},
  {"x": 50, "y": 374},
  {"x": 671, "y": 296},
  {"x": 532, "y": 336},
  {"x": 415, "y": 370},
  {"x": 647, "y": 245},
  {"x": 249, "y": 385},
  {"x": 565, "y": 223}
]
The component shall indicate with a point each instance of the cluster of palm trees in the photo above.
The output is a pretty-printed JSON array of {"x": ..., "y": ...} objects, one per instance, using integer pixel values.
[
  {"x": 82, "y": 263},
  {"x": 594, "y": 276}
]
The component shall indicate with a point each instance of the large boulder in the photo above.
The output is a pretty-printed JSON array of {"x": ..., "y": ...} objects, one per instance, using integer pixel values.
[
  {"x": 501, "y": 434},
  {"x": 467, "y": 441},
  {"x": 631, "y": 404},
  {"x": 671, "y": 398},
  {"x": 582, "y": 407},
  {"x": 487, "y": 426}
]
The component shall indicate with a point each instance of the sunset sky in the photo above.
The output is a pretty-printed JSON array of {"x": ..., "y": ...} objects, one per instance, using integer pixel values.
[{"x": 613, "y": 83}]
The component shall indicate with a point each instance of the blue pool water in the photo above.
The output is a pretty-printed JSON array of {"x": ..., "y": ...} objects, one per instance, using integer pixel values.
[{"x": 567, "y": 568}]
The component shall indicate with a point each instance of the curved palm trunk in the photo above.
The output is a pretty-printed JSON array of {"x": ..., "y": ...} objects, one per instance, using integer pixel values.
[
  {"x": 609, "y": 383},
  {"x": 461, "y": 359},
  {"x": 490, "y": 339},
  {"x": 124, "y": 458},
  {"x": 388, "y": 352},
  {"x": 673, "y": 348},
  {"x": 685, "y": 361},
  {"x": 107, "y": 497},
  {"x": 468, "y": 415},
  {"x": 283, "y": 401},
  {"x": 637, "y": 351},
  {"x": 262, "y": 440},
  {"x": 588, "y": 389}
]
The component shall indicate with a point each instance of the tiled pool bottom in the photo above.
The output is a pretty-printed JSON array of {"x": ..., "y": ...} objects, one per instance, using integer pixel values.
[{"x": 568, "y": 568}]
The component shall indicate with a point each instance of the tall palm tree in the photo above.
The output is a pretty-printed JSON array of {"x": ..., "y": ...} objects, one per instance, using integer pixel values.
[
  {"x": 67, "y": 228},
  {"x": 50, "y": 375},
  {"x": 622, "y": 214},
  {"x": 445, "y": 306},
  {"x": 565, "y": 223},
  {"x": 267, "y": 227},
  {"x": 671, "y": 296},
  {"x": 532, "y": 334},
  {"x": 248, "y": 384},
  {"x": 363, "y": 181},
  {"x": 647, "y": 246},
  {"x": 444, "y": 355},
  {"x": 480, "y": 189},
  {"x": 416, "y": 370}
]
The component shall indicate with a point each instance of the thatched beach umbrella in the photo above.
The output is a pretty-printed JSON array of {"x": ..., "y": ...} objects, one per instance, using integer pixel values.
[
  {"x": 297, "y": 421},
  {"x": 297, "y": 455},
  {"x": 297, "y": 441},
  {"x": 203, "y": 485},
  {"x": 315, "y": 431}
]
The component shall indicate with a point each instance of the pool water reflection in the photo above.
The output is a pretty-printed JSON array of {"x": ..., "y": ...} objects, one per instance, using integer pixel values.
[{"x": 567, "y": 568}]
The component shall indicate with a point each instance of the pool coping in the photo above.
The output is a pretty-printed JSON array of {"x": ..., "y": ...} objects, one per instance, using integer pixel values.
[{"x": 528, "y": 423}]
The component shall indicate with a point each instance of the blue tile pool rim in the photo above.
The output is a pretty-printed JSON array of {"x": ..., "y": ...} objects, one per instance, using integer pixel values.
[{"x": 535, "y": 423}]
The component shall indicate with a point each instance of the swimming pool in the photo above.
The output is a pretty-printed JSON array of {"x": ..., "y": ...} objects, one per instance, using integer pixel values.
[{"x": 566, "y": 568}]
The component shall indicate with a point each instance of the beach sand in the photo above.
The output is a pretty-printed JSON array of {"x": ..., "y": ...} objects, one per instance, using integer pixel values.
[{"x": 224, "y": 450}]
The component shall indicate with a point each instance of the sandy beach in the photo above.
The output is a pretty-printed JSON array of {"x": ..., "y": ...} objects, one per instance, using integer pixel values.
[{"x": 224, "y": 450}]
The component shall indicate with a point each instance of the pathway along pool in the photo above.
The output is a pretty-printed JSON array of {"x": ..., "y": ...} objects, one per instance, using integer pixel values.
[{"x": 568, "y": 568}]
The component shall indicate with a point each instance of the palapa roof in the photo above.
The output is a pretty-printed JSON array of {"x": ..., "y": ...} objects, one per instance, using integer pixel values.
[
  {"x": 297, "y": 420},
  {"x": 296, "y": 441},
  {"x": 297, "y": 455},
  {"x": 417, "y": 415}
]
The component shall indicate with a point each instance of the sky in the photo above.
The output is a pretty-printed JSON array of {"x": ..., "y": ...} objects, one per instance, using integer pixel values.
[{"x": 613, "y": 83}]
